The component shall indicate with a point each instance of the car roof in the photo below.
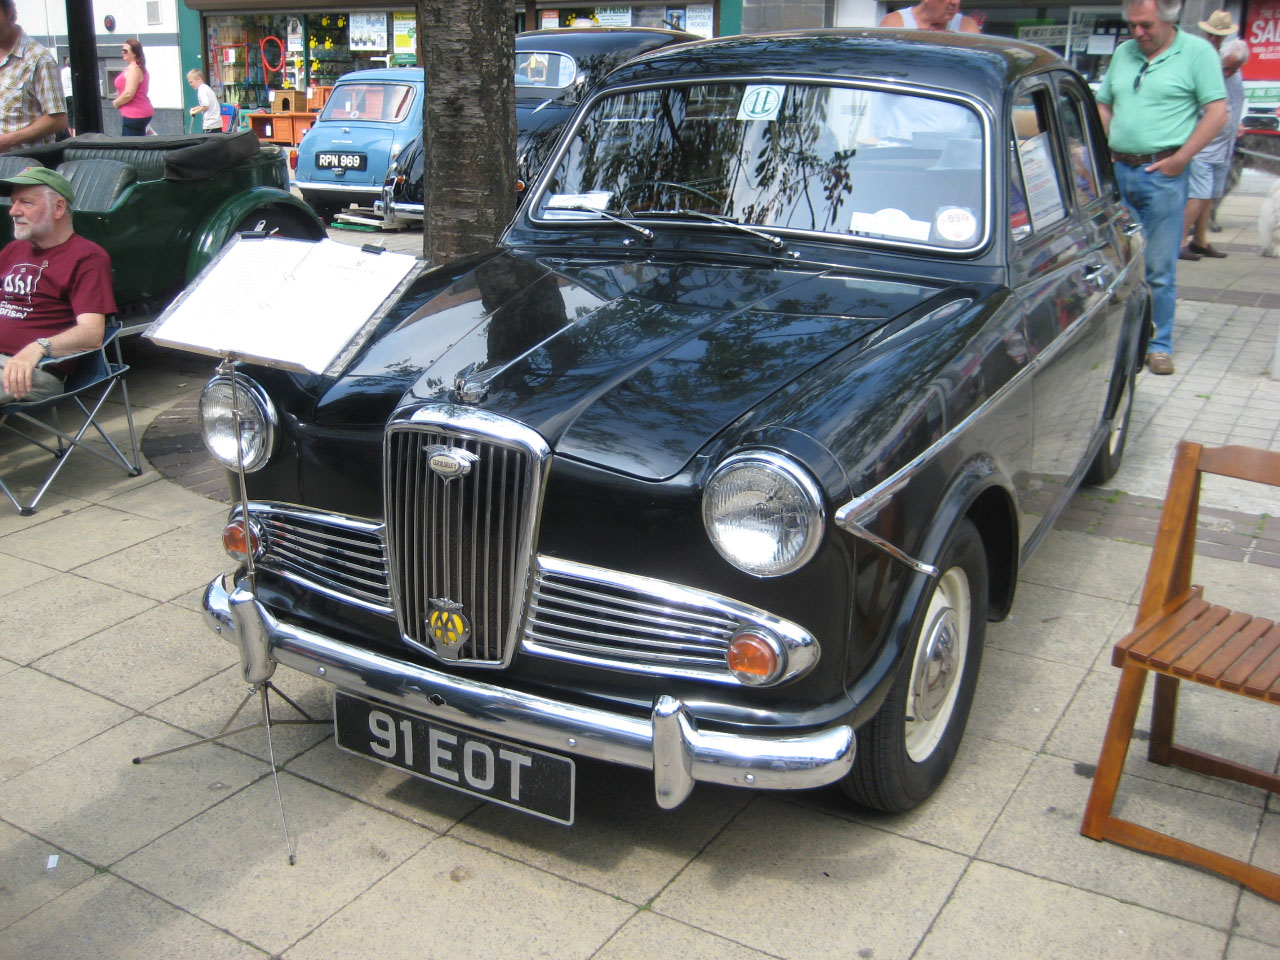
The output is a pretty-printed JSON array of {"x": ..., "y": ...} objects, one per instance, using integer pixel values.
[
  {"x": 584, "y": 41},
  {"x": 384, "y": 74},
  {"x": 964, "y": 62}
]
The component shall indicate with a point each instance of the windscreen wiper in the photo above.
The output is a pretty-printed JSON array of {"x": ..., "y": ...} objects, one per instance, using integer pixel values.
[
  {"x": 583, "y": 208},
  {"x": 775, "y": 241}
]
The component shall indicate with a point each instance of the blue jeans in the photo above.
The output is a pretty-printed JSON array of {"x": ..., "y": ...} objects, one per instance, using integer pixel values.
[
  {"x": 1158, "y": 202},
  {"x": 134, "y": 126}
]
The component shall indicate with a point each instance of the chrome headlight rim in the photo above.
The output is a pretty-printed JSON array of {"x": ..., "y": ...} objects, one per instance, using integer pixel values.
[
  {"x": 256, "y": 403},
  {"x": 794, "y": 473}
]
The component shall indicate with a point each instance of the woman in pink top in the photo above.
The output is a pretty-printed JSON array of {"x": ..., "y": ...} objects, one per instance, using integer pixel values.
[{"x": 131, "y": 87}]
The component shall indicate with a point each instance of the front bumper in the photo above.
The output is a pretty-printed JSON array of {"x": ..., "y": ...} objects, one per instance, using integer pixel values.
[{"x": 668, "y": 742}]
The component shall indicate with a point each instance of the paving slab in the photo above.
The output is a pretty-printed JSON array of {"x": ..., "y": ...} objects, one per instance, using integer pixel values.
[
  {"x": 854, "y": 888},
  {"x": 235, "y": 875},
  {"x": 29, "y": 700},
  {"x": 70, "y": 541},
  {"x": 83, "y": 607},
  {"x": 35, "y": 873},
  {"x": 166, "y": 639},
  {"x": 647, "y": 935},
  {"x": 94, "y": 802},
  {"x": 108, "y": 919},
  {"x": 1001, "y": 914},
  {"x": 1039, "y": 834},
  {"x": 511, "y": 911}
]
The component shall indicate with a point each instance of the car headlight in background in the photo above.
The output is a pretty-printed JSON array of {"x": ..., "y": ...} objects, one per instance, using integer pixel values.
[
  {"x": 257, "y": 422},
  {"x": 763, "y": 513}
]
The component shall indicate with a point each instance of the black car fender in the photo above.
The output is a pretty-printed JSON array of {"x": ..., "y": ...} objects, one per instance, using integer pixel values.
[{"x": 980, "y": 491}]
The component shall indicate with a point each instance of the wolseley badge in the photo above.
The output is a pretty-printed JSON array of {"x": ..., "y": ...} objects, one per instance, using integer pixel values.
[{"x": 449, "y": 462}]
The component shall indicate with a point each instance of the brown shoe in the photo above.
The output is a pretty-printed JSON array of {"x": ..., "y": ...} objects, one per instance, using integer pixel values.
[
  {"x": 1207, "y": 250},
  {"x": 1161, "y": 364},
  {"x": 1186, "y": 254}
]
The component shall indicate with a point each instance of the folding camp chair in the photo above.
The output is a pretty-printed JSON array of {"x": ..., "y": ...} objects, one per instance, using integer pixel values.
[{"x": 88, "y": 387}]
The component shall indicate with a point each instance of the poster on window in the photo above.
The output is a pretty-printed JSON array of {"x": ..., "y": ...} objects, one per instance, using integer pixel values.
[
  {"x": 1262, "y": 34},
  {"x": 613, "y": 16},
  {"x": 700, "y": 18},
  {"x": 1044, "y": 198},
  {"x": 368, "y": 31},
  {"x": 404, "y": 39},
  {"x": 675, "y": 18}
]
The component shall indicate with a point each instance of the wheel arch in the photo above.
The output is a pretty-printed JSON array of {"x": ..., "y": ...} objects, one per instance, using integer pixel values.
[{"x": 217, "y": 228}]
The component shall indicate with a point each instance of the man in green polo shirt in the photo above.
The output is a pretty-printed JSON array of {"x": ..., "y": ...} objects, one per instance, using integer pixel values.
[{"x": 1151, "y": 101}]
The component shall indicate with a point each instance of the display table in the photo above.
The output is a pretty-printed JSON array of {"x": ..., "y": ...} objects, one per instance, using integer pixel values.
[{"x": 282, "y": 128}]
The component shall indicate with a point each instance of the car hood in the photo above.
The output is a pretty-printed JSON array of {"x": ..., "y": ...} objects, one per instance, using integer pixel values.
[{"x": 633, "y": 365}]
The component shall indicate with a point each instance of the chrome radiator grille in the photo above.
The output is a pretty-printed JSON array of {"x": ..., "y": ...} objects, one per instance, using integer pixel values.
[
  {"x": 460, "y": 544},
  {"x": 335, "y": 554},
  {"x": 620, "y": 621}
]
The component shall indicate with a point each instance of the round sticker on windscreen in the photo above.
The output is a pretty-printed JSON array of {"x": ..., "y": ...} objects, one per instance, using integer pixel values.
[{"x": 956, "y": 224}]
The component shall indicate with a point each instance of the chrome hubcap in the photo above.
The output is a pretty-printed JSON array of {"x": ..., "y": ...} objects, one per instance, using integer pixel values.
[{"x": 938, "y": 664}]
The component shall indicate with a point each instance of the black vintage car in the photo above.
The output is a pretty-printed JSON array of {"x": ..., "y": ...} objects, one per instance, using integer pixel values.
[
  {"x": 555, "y": 69},
  {"x": 719, "y": 464}
]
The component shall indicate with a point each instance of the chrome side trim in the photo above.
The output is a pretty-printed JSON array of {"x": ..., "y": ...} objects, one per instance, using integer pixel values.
[
  {"x": 667, "y": 741},
  {"x": 372, "y": 189},
  {"x": 620, "y": 621}
]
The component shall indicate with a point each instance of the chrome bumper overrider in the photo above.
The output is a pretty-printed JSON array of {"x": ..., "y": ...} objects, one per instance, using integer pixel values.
[{"x": 669, "y": 742}]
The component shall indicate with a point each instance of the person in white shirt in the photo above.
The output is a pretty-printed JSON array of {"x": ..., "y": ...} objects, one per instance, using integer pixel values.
[
  {"x": 66, "y": 92},
  {"x": 207, "y": 108}
]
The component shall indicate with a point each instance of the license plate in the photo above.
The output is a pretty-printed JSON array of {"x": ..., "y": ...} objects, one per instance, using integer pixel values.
[
  {"x": 345, "y": 161},
  {"x": 507, "y": 773}
]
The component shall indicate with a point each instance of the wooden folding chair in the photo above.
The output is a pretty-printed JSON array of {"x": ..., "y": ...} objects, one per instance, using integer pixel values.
[{"x": 1180, "y": 636}]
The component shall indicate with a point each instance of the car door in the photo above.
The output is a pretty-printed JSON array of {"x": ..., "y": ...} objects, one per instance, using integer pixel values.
[{"x": 1062, "y": 265}]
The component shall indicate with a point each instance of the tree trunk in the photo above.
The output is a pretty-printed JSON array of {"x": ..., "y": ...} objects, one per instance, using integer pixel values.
[{"x": 469, "y": 125}]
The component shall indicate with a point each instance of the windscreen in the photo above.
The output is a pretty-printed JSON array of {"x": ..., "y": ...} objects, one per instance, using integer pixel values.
[
  {"x": 369, "y": 101},
  {"x": 836, "y": 159}
]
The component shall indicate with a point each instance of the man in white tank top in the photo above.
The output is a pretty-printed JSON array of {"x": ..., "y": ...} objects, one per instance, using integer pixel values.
[{"x": 936, "y": 15}]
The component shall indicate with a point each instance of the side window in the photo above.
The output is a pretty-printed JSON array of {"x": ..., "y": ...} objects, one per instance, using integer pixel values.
[
  {"x": 1084, "y": 176},
  {"x": 1036, "y": 182}
]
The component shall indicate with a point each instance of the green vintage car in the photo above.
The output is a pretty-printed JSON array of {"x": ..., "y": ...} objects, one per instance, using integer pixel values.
[{"x": 164, "y": 206}]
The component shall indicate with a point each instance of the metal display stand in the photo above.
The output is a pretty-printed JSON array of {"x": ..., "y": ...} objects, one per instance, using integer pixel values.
[{"x": 189, "y": 324}]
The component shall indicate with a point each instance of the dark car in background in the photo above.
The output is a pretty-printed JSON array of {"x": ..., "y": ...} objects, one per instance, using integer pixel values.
[
  {"x": 164, "y": 206},
  {"x": 719, "y": 464},
  {"x": 555, "y": 69}
]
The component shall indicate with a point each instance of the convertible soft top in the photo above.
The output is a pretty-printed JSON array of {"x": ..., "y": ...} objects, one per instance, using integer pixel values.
[{"x": 185, "y": 158}]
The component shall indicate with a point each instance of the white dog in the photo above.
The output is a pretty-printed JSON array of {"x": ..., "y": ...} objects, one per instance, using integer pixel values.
[{"x": 1269, "y": 222}]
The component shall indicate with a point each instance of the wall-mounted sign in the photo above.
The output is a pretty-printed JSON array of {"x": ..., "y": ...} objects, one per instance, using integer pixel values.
[
  {"x": 1262, "y": 33},
  {"x": 405, "y": 39},
  {"x": 1047, "y": 35},
  {"x": 550, "y": 19}
]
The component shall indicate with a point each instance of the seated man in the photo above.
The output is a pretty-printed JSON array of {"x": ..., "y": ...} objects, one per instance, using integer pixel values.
[{"x": 55, "y": 286}]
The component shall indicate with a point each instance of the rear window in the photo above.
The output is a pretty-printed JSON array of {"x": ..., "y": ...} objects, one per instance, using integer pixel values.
[
  {"x": 369, "y": 101},
  {"x": 544, "y": 69}
]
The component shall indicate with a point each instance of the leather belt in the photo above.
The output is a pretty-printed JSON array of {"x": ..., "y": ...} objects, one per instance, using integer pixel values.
[{"x": 1142, "y": 159}]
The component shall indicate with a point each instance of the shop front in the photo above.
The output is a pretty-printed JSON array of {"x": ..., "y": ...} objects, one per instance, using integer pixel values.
[{"x": 276, "y": 67}]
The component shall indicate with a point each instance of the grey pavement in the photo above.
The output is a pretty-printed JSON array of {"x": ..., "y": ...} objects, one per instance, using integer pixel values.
[{"x": 104, "y": 657}]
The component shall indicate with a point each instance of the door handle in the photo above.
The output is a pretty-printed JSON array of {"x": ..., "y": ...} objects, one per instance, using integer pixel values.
[
  {"x": 1095, "y": 273},
  {"x": 1130, "y": 228}
]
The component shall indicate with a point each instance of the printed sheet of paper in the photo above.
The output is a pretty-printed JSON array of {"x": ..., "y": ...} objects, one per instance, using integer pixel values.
[
  {"x": 291, "y": 303},
  {"x": 1044, "y": 197}
]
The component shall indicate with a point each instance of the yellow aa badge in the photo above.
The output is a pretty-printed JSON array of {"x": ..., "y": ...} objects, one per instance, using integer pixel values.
[{"x": 448, "y": 627}]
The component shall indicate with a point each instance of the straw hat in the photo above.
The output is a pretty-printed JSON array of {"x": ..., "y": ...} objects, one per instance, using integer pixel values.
[{"x": 1219, "y": 24}]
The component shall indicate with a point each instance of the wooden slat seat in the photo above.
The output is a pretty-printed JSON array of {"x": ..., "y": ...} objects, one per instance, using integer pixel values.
[{"x": 1181, "y": 636}]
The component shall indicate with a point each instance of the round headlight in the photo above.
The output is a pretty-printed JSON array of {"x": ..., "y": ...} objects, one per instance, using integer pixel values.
[
  {"x": 763, "y": 512},
  {"x": 257, "y": 422}
]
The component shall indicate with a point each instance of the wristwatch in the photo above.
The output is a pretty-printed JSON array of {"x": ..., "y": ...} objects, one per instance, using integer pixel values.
[{"x": 45, "y": 345}]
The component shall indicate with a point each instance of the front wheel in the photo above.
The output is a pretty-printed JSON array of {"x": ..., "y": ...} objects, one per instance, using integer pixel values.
[{"x": 908, "y": 747}]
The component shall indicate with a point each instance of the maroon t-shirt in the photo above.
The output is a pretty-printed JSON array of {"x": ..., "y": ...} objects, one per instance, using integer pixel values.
[{"x": 43, "y": 291}]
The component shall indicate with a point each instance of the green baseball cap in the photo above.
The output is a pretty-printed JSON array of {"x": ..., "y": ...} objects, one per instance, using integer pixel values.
[{"x": 38, "y": 177}]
